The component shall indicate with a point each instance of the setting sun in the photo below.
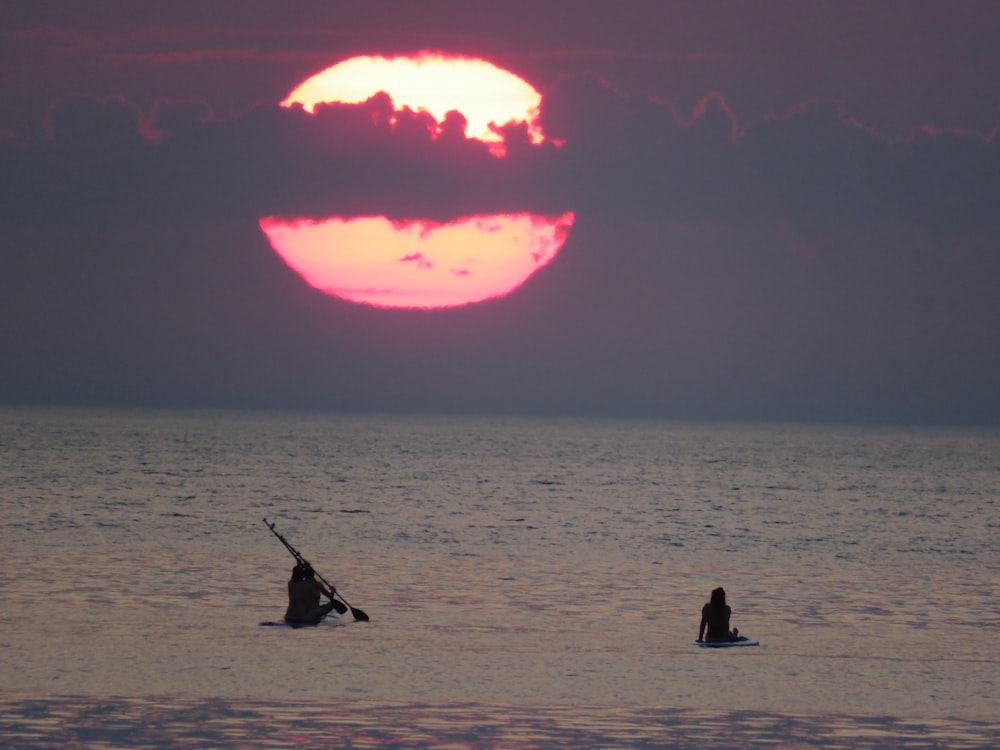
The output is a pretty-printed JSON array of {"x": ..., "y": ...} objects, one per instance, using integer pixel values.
[
  {"x": 421, "y": 263},
  {"x": 487, "y": 96}
]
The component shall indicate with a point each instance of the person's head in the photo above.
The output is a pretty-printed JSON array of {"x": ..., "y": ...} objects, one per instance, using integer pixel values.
[
  {"x": 308, "y": 572},
  {"x": 297, "y": 573},
  {"x": 718, "y": 597}
]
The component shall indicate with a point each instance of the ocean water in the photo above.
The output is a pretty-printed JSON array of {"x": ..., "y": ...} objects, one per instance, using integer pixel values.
[{"x": 531, "y": 583}]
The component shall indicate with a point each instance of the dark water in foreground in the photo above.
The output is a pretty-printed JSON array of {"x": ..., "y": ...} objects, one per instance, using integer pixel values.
[
  {"x": 141, "y": 723},
  {"x": 531, "y": 583}
]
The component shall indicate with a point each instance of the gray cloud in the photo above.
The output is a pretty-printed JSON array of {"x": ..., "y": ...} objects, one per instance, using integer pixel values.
[
  {"x": 801, "y": 266},
  {"x": 625, "y": 155}
]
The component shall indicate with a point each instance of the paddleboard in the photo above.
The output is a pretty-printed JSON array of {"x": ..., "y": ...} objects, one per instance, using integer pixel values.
[
  {"x": 743, "y": 640},
  {"x": 326, "y": 622}
]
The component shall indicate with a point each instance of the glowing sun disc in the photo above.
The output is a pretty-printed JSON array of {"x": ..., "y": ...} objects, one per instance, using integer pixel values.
[
  {"x": 485, "y": 94},
  {"x": 420, "y": 263}
]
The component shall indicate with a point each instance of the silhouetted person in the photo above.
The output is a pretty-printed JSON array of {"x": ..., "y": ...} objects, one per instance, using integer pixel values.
[
  {"x": 304, "y": 592},
  {"x": 715, "y": 619}
]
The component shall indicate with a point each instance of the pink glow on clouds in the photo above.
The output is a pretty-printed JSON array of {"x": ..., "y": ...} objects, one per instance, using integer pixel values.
[
  {"x": 423, "y": 264},
  {"x": 719, "y": 101}
]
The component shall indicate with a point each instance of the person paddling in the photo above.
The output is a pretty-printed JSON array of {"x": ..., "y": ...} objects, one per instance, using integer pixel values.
[
  {"x": 304, "y": 593},
  {"x": 715, "y": 619}
]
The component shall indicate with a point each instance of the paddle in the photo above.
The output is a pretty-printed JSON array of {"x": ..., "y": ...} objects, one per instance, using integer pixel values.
[
  {"x": 341, "y": 609},
  {"x": 358, "y": 614}
]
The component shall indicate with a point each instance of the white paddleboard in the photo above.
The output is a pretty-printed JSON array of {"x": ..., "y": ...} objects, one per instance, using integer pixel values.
[{"x": 742, "y": 641}]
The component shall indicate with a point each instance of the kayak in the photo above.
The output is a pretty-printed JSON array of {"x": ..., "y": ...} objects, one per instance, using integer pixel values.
[{"x": 743, "y": 640}]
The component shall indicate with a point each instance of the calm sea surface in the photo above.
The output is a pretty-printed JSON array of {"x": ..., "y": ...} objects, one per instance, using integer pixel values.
[{"x": 531, "y": 583}]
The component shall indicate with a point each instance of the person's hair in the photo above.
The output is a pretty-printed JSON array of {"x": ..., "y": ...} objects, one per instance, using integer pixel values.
[
  {"x": 298, "y": 574},
  {"x": 718, "y": 597}
]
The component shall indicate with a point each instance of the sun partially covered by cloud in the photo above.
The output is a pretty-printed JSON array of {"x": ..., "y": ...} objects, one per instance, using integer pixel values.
[
  {"x": 416, "y": 262},
  {"x": 488, "y": 97}
]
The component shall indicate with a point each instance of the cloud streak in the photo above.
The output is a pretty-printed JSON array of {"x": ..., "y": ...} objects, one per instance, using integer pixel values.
[{"x": 812, "y": 168}]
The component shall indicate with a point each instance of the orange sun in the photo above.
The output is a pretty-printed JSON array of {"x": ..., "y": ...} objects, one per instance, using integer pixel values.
[{"x": 421, "y": 263}]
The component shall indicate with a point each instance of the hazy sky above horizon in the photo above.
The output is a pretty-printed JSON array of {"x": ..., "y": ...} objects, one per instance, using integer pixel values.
[{"x": 784, "y": 210}]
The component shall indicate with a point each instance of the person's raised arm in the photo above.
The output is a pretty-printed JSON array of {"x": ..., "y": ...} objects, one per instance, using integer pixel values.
[{"x": 329, "y": 593}]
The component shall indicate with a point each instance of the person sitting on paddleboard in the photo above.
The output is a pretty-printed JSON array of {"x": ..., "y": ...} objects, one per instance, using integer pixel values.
[
  {"x": 304, "y": 592},
  {"x": 715, "y": 618}
]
